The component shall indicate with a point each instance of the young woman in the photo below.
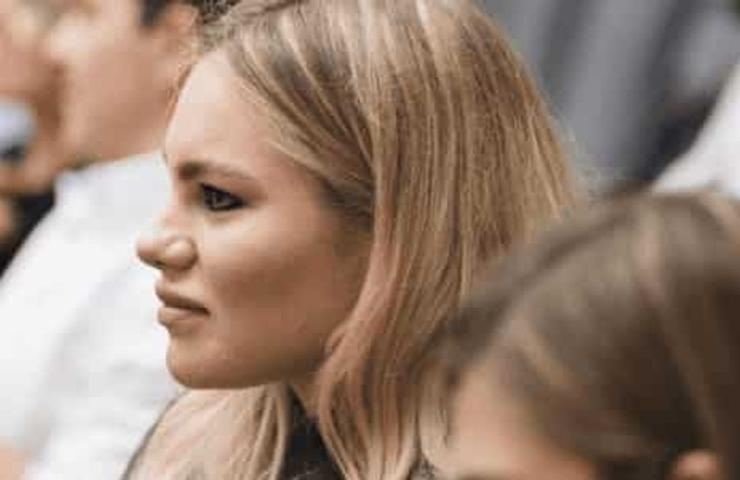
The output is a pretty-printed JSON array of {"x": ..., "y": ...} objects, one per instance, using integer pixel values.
[
  {"x": 609, "y": 350},
  {"x": 341, "y": 168}
]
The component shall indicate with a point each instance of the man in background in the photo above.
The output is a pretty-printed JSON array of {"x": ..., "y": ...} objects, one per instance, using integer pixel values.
[{"x": 82, "y": 367}]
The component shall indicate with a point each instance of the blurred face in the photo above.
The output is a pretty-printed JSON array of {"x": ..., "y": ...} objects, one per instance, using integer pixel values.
[
  {"x": 26, "y": 72},
  {"x": 256, "y": 271},
  {"x": 114, "y": 87},
  {"x": 494, "y": 440}
]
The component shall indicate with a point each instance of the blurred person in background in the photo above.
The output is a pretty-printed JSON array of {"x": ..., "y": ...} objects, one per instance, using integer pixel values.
[
  {"x": 631, "y": 80},
  {"x": 82, "y": 368},
  {"x": 714, "y": 160},
  {"x": 27, "y": 75},
  {"x": 607, "y": 350}
]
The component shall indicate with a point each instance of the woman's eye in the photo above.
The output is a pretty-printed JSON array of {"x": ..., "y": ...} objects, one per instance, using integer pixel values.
[{"x": 218, "y": 200}]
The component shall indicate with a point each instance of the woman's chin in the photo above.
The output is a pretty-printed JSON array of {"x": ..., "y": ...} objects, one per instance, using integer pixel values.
[
  {"x": 188, "y": 370},
  {"x": 195, "y": 371}
]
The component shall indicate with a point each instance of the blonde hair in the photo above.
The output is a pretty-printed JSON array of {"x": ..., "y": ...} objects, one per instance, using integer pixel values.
[{"x": 424, "y": 128}]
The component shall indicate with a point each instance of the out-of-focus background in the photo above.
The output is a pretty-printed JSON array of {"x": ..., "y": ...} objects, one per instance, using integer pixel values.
[{"x": 630, "y": 81}]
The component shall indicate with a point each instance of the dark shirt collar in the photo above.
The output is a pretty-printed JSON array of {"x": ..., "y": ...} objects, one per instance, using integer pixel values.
[{"x": 307, "y": 457}]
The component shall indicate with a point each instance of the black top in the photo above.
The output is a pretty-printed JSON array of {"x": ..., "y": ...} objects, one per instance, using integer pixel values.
[{"x": 307, "y": 457}]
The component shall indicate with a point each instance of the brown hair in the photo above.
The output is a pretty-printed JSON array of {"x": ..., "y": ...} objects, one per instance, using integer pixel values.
[
  {"x": 425, "y": 129},
  {"x": 620, "y": 333}
]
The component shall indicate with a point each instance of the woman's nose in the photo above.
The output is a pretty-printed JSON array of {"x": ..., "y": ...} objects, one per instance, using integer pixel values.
[{"x": 165, "y": 249}]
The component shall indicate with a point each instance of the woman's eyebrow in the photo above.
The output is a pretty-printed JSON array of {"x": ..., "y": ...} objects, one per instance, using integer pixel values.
[{"x": 190, "y": 169}]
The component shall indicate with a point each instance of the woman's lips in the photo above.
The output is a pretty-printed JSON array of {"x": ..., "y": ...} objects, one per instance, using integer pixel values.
[
  {"x": 175, "y": 300},
  {"x": 177, "y": 308},
  {"x": 172, "y": 316}
]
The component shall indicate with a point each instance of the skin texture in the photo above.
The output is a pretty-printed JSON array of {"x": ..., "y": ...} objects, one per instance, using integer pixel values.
[
  {"x": 268, "y": 268},
  {"x": 118, "y": 75},
  {"x": 493, "y": 439},
  {"x": 25, "y": 70}
]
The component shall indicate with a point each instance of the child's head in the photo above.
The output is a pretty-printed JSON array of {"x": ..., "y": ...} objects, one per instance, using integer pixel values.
[{"x": 610, "y": 349}]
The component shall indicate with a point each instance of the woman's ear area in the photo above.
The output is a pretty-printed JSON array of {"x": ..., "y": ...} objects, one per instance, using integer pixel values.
[{"x": 696, "y": 465}]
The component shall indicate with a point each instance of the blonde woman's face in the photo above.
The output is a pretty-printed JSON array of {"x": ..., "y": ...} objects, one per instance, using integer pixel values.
[
  {"x": 493, "y": 439},
  {"x": 256, "y": 271}
]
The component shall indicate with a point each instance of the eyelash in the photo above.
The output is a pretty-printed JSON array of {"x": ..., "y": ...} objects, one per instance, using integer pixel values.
[{"x": 217, "y": 200}]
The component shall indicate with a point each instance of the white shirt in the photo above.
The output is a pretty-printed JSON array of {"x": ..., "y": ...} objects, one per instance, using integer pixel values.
[
  {"x": 82, "y": 367},
  {"x": 714, "y": 160}
]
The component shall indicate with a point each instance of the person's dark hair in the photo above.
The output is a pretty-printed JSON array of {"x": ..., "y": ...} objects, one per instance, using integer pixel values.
[
  {"x": 151, "y": 10},
  {"x": 619, "y": 333},
  {"x": 209, "y": 10}
]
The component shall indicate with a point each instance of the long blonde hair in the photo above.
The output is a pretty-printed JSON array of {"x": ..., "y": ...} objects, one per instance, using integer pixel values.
[{"x": 425, "y": 129}]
